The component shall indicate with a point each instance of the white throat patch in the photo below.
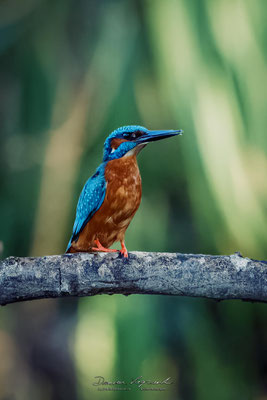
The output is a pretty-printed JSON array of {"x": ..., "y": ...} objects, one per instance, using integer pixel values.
[{"x": 135, "y": 150}]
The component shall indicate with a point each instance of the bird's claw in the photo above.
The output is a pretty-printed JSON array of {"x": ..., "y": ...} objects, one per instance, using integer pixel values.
[
  {"x": 124, "y": 253},
  {"x": 123, "y": 250},
  {"x": 102, "y": 248},
  {"x": 99, "y": 247}
]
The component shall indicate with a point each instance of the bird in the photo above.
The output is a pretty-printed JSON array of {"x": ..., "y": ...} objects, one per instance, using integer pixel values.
[{"x": 111, "y": 197}]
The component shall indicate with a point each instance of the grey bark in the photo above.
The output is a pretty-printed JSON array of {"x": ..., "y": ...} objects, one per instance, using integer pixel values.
[{"x": 88, "y": 274}]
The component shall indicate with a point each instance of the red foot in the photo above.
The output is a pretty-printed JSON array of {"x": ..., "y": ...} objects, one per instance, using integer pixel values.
[
  {"x": 101, "y": 248},
  {"x": 123, "y": 250}
]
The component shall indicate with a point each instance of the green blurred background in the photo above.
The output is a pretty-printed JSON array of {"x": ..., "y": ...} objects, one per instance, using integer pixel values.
[{"x": 71, "y": 71}]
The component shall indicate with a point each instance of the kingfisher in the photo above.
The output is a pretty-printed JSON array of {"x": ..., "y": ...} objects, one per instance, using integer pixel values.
[{"x": 111, "y": 197}]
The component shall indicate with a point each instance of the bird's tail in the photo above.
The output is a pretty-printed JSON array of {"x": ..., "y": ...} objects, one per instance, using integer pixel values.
[{"x": 70, "y": 250}]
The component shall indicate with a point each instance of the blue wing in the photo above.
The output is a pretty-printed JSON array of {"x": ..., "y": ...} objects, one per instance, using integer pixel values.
[{"x": 90, "y": 200}]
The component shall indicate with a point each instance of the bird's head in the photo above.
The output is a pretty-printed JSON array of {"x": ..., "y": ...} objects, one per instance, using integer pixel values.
[{"x": 129, "y": 140}]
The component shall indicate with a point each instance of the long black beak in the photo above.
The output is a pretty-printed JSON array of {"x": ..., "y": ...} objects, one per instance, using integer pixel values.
[{"x": 152, "y": 136}]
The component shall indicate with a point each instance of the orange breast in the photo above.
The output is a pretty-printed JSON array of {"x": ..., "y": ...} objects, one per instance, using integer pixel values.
[{"x": 122, "y": 199}]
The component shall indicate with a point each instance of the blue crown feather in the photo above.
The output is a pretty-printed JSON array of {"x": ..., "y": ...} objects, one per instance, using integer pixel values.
[{"x": 119, "y": 133}]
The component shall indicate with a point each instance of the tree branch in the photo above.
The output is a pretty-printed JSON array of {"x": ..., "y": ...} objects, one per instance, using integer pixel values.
[{"x": 88, "y": 274}]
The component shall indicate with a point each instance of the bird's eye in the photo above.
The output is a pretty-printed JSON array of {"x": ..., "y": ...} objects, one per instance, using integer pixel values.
[{"x": 131, "y": 135}]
